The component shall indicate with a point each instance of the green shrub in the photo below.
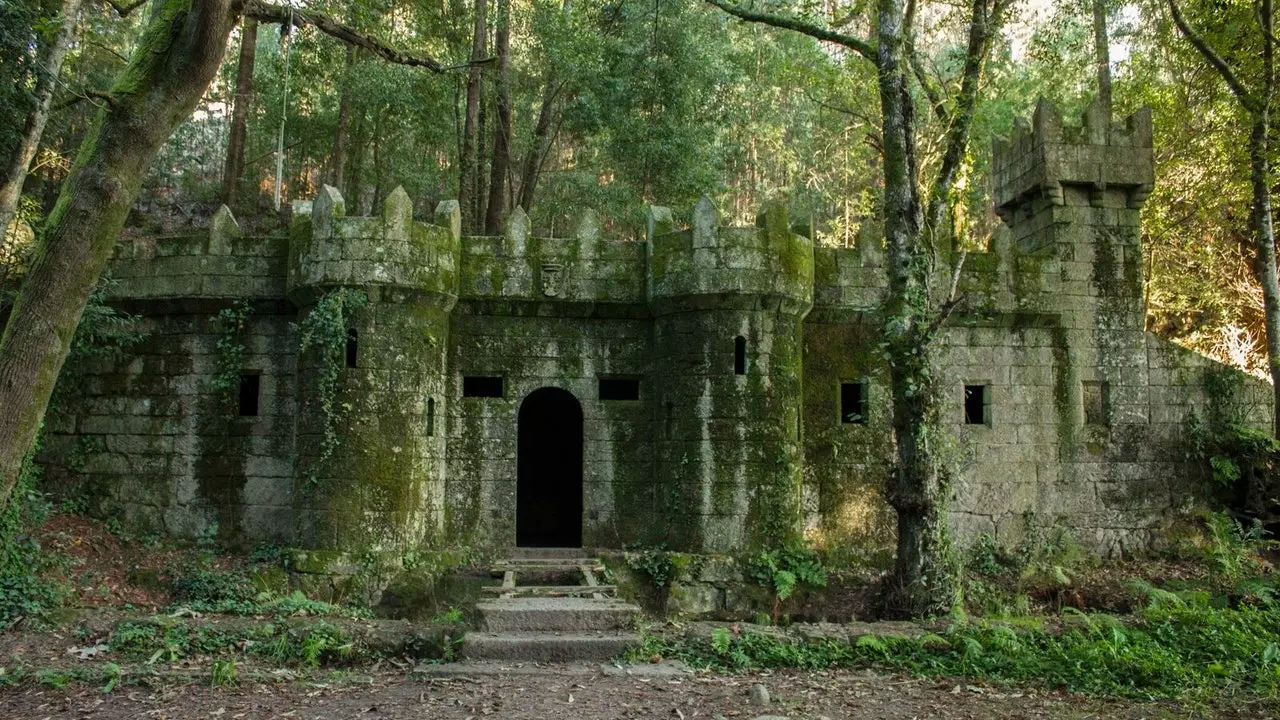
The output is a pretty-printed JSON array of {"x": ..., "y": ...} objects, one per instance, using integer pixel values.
[{"x": 205, "y": 588}]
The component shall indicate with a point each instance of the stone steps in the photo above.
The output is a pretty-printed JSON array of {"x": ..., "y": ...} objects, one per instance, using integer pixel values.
[
  {"x": 569, "y": 614},
  {"x": 530, "y": 646},
  {"x": 551, "y": 622}
]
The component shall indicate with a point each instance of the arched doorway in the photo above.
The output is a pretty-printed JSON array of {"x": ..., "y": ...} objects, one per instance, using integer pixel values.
[{"x": 549, "y": 470}]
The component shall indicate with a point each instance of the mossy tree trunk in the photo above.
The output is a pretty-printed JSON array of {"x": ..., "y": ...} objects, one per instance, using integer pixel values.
[
  {"x": 1254, "y": 88},
  {"x": 177, "y": 58},
  {"x": 468, "y": 158},
  {"x": 501, "y": 126},
  {"x": 914, "y": 310}
]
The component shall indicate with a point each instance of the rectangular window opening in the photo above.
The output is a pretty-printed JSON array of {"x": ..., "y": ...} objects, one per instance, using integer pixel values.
[
  {"x": 431, "y": 417},
  {"x": 853, "y": 403},
  {"x": 250, "y": 390},
  {"x": 353, "y": 347},
  {"x": 977, "y": 402},
  {"x": 619, "y": 388},
  {"x": 483, "y": 386},
  {"x": 1097, "y": 402},
  {"x": 739, "y": 355}
]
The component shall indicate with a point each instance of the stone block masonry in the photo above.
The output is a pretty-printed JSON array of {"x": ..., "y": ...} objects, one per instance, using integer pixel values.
[{"x": 714, "y": 389}]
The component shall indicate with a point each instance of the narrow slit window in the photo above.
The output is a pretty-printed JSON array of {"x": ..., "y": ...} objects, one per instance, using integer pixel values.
[
  {"x": 250, "y": 391},
  {"x": 353, "y": 347},
  {"x": 740, "y": 355},
  {"x": 482, "y": 386},
  {"x": 853, "y": 403},
  {"x": 977, "y": 405},
  {"x": 619, "y": 389},
  {"x": 431, "y": 417},
  {"x": 1097, "y": 403}
]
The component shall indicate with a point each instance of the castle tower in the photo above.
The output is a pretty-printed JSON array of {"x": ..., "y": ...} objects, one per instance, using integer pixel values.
[
  {"x": 371, "y": 451},
  {"x": 727, "y": 306},
  {"x": 1072, "y": 198}
]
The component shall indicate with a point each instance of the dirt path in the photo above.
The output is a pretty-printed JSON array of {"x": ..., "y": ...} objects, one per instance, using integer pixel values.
[{"x": 566, "y": 693}]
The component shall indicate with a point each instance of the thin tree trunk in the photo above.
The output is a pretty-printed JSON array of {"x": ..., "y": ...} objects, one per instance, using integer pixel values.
[
  {"x": 344, "y": 121},
  {"x": 233, "y": 169},
  {"x": 467, "y": 161},
  {"x": 178, "y": 56},
  {"x": 1265, "y": 264},
  {"x": 502, "y": 127},
  {"x": 540, "y": 146},
  {"x": 1102, "y": 53},
  {"x": 482, "y": 157},
  {"x": 352, "y": 190},
  {"x": 49, "y": 65}
]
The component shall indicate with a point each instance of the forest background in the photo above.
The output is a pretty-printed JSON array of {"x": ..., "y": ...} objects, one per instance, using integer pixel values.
[{"x": 625, "y": 103}]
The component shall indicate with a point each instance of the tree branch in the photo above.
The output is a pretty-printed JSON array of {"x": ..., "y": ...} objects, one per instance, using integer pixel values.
[
  {"x": 268, "y": 13},
  {"x": 1241, "y": 92},
  {"x": 926, "y": 83},
  {"x": 857, "y": 45}
]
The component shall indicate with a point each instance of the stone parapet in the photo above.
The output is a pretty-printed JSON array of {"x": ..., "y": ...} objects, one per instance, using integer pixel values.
[
  {"x": 218, "y": 264},
  {"x": 710, "y": 266},
  {"x": 392, "y": 253}
]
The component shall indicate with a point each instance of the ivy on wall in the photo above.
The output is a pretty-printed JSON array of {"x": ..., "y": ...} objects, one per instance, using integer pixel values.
[
  {"x": 230, "y": 351},
  {"x": 324, "y": 331}
]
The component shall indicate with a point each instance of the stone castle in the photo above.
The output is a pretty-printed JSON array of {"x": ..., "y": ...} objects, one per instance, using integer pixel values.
[{"x": 708, "y": 388}]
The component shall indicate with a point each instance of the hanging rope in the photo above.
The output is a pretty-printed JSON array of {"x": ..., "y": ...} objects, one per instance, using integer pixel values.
[{"x": 284, "y": 107}]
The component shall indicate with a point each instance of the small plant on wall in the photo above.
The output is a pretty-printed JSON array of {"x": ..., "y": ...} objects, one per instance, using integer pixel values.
[
  {"x": 325, "y": 332},
  {"x": 230, "y": 351}
]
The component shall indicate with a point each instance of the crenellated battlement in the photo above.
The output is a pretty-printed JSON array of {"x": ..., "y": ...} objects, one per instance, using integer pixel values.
[{"x": 1099, "y": 154}]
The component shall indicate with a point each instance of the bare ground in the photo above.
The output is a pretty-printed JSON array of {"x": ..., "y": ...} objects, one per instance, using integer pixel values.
[{"x": 468, "y": 692}]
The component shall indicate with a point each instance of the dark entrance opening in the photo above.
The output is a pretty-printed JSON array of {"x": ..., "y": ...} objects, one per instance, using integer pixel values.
[{"x": 549, "y": 470}]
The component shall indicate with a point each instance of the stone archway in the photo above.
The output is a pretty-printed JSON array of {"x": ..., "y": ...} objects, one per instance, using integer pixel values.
[{"x": 549, "y": 470}]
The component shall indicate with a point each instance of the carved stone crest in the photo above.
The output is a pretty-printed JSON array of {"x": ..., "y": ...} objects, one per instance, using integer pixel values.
[{"x": 552, "y": 279}]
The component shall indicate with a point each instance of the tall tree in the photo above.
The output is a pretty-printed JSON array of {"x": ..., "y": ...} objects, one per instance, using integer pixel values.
[
  {"x": 1253, "y": 85},
  {"x": 234, "y": 166},
  {"x": 915, "y": 308},
  {"x": 501, "y": 162},
  {"x": 468, "y": 159},
  {"x": 48, "y": 67}
]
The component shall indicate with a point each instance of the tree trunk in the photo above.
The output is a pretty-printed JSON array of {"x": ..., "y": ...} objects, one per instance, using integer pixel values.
[
  {"x": 502, "y": 127},
  {"x": 352, "y": 190},
  {"x": 1265, "y": 263},
  {"x": 1102, "y": 53},
  {"x": 339, "y": 164},
  {"x": 539, "y": 147},
  {"x": 233, "y": 169},
  {"x": 481, "y": 162},
  {"x": 177, "y": 57},
  {"x": 467, "y": 160},
  {"x": 921, "y": 583},
  {"x": 49, "y": 65}
]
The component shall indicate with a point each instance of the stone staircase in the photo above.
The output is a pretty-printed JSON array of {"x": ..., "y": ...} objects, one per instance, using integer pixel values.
[{"x": 551, "y": 607}]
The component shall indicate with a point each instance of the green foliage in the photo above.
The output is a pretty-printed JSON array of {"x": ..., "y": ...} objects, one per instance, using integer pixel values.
[
  {"x": 112, "y": 675},
  {"x": 1233, "y": 550},
  {"x": 230, "y": 350},
  {"x": 204, "y": 587},
  {"x": 655, "y": 562},
  {"x": 324, "y": 332},
  {"x": 449, "y": 616},
  {"x": 224, "y": 673},
  {"x": 23, "y": 593},
  {"x": 784, "y": 570},
  {"x": 1170, "y": 650}
]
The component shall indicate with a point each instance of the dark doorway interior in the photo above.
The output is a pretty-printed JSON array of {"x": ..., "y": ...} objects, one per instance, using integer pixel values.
[{"x": 549, "y": 470}]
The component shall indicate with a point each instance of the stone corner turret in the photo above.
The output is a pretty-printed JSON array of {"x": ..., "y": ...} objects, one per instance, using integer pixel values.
[
  {"x": 1042, "y": 158},
  {"x": 391, "y": 254},
  {"x": 710, "y": 264}
]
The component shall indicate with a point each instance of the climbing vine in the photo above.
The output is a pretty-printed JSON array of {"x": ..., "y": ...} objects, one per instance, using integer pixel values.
[
  {"x": 230, "y": 351},
  {"x": 324, "y": 331}
]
